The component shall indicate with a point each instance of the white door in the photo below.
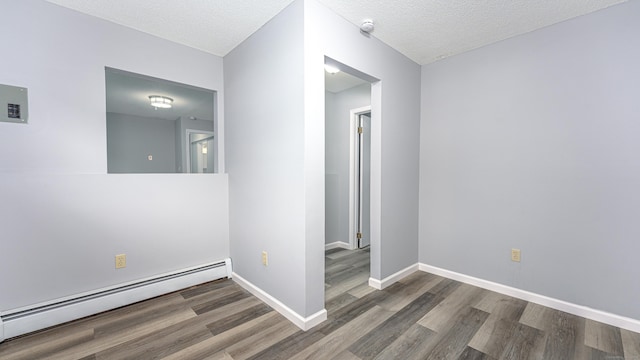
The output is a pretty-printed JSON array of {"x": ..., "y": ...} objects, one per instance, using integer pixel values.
[{"x": 363, "y": 159}]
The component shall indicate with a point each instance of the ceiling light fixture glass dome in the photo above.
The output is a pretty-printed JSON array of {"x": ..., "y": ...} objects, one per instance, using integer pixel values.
[{"x": 159, "y": 101}]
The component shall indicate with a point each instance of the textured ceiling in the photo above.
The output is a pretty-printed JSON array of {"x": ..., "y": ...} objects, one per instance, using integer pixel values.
[
  {"x": 214, "y": 26},
  {"x": 429, "y": 30},
  {"x": 423, "y": 30}
]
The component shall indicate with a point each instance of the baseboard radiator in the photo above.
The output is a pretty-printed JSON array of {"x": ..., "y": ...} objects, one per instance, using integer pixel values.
[{"x": 40, "y": 316}]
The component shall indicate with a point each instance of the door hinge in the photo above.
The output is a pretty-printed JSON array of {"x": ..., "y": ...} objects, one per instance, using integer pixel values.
[
  {"x": 360, "y": 130},
  {"x": 359, "y": 235}
]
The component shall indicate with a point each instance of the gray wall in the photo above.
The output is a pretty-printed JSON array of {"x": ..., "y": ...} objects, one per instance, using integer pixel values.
[
  {"x": 275, "y": 136},
  {"x": 63, "y": 218},
  {"x": 532, "y": 143},
  {"x": 131, "y": 139},
  {"x": 265, "y": 147},
  {"x": 337, "y": 132},
  {"x": 395, "y": 129}
]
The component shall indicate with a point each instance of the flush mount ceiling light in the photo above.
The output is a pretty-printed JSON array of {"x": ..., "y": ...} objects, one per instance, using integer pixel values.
[
  {"x": 331, "y": 69},
  {"x": 158, "y": 101}
]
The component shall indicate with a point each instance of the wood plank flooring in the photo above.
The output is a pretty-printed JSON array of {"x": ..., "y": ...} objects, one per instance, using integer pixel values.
[{"x": 424, "y": 316}]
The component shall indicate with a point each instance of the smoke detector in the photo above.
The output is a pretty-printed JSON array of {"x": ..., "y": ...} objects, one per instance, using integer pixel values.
[{"x": 367, "y": 26}]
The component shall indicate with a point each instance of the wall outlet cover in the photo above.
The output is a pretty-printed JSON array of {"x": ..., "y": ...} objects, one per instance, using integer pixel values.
[
  {"x": 121, "y": 261},
  {"x": 515, "y": 255}
]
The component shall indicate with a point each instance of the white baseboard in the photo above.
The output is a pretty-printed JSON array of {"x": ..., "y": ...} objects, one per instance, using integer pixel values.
[
  {"x": 337, "y": 244},
  {"x": 297, "y": 319},
  {"x": 40, "y": 316},
  {"x": 571, "y": 308},
  {"x": 381, "y": 284},
  {"x": 229, "y": 267}
]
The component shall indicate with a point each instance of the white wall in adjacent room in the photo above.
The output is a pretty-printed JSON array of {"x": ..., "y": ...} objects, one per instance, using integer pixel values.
[{"x": 132, "y": 139}]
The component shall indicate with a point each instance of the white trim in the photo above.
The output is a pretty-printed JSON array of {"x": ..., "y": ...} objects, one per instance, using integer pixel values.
[
  {"x": 575, "y": 309},
  {"x": 24, "y": 320},
  {"x": 338, "y": 244},
  {"x": 381, "y": 284},
  {"x": 375, "y": 283},
  {"x": 315, "y": 319},
  {"x": 229, "y": 266},
  {"x": 297, "y": 319}
]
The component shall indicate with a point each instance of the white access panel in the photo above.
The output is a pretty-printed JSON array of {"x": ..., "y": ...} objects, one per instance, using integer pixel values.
[{"x": 13, "y": 104}]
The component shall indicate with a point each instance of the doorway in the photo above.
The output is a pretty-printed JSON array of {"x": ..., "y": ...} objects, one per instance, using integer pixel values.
[
  {"x": 348, "y": 122},
  {"x": 200, "y": 154},
  {"x": 360, "y": 179},
  {"x": 346, "y": 205}
]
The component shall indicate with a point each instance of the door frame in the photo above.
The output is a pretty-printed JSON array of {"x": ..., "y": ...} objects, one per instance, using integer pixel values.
[
  {"x": 354, "y": 114},
  {"x": 187, "y": 148}
]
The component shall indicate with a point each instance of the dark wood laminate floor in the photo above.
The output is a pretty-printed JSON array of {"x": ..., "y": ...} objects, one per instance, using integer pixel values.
[{"x": 424, "y": 316}]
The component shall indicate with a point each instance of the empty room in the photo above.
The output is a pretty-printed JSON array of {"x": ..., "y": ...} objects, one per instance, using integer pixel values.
[{"x": 319, "y": 179}]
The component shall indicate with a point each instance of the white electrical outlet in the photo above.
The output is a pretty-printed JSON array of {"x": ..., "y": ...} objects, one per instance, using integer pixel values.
[{"x": 265, "y": 258}]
